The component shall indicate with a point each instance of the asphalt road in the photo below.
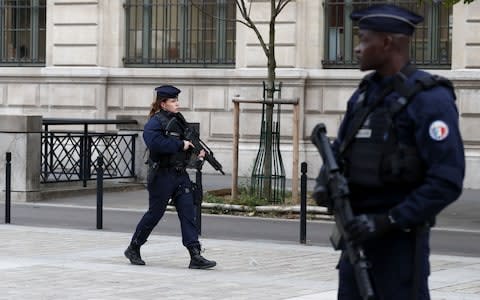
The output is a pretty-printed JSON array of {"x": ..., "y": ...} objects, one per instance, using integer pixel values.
[{"x": 445, "y": 240}]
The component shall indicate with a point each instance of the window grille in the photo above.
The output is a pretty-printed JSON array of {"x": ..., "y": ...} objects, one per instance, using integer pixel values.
[
  {"x": 22, "y": 32},
  {"x": 189, "y": 33},
  {"x": 431, "y": 45}
]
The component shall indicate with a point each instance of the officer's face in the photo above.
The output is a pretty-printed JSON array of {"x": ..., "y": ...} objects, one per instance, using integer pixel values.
[
  {"x": 370, "y": 50},
  {"x": 170, "y": 105}
]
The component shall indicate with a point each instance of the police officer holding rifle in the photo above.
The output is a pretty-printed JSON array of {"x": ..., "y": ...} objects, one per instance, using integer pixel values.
[
  {"x": 400, "y": 151},
  {"x": 170, "y": 153}
]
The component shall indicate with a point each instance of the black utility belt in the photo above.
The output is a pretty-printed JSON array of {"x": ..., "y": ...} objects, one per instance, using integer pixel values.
[{"x": 173, "y": 169}]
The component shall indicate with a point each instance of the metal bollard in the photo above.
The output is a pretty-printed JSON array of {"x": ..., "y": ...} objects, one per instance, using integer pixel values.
[
  {"x": 198, "y": 217},
  {"x": 303, "y": 203},
  {"x": 100, "y": 192},
  {"x": 8, "y": 188}
]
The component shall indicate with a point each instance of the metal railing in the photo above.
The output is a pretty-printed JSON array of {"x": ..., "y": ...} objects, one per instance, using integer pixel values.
[{"x": 72, "y": 155}]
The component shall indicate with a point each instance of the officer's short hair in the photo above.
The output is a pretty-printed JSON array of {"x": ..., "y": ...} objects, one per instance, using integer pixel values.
[{"x": 387, "y": 18}]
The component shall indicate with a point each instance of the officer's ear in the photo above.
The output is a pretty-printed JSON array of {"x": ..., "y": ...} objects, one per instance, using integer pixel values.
[
  {"x": 162, "y": 104},
  {"x": 396, "y": 43},
  {"x": 388, "y": 42}
]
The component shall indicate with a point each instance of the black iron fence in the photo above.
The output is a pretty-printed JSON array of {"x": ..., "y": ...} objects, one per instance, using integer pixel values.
[{"x": 72, "y": 155}]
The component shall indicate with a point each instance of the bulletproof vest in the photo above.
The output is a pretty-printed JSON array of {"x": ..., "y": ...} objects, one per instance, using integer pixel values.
[
  {"x": 375, "y": 157},
  {"x": 171, "y": 126}
]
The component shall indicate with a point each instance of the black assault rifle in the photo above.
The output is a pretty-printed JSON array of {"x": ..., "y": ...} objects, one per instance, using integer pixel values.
[
  {"x": 192, "y": 135},
  {"x": 338, "y": 193}
]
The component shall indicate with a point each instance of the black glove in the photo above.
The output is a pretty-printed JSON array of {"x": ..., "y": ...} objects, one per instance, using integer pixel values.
[
  {"x": 367, "y": 227},
  {"x": 320, "y": 193}
]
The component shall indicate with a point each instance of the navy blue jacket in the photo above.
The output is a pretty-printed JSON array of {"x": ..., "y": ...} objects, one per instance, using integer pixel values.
[
  {"x": 157, "y": 141},
  {"x": 443, "y": 155}
]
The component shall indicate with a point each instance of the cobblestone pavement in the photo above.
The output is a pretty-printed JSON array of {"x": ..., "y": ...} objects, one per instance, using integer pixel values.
[{"x": 47, "y": 263}]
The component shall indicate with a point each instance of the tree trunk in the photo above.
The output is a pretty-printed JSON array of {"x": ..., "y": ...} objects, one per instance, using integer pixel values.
[{"x": 269, "y": 106}]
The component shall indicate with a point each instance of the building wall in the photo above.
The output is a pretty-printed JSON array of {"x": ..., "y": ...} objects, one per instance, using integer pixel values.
[
  {"x": 84, "y": 77},
  {"x": 466, "y": 36}
]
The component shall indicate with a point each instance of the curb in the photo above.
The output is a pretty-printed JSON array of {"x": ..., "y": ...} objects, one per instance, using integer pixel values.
[
  {"x": 58, "y": 191},
  {"x": 315, "y": 211}
]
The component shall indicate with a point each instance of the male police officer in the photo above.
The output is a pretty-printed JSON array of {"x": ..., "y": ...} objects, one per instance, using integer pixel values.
[
  {"x": 401, "y": 151},
  {"x": 167, "y": 178}
]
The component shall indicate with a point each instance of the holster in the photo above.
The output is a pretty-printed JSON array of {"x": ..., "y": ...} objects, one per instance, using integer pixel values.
[
  {"x": 197, "y": 194},
  {"x": 152, "y": 171},
  {"x": 336, "y": 239}
]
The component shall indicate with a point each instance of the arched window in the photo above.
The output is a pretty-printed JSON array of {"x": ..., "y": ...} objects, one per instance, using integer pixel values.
[
  {"x": 431, "y": 43},
  {"x": 22, "y": 32},
  {"x": 165, "y": 33}
]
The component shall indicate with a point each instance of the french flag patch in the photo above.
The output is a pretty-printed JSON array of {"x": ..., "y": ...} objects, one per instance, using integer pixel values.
[{"x": 438, "y": 130}]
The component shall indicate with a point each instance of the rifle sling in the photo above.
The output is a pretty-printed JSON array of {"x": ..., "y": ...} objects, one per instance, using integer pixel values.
[
  {"x": 419, "y": 232},
  {"x": 404, "y": 73},
  {"x": 356, "y": 126}
]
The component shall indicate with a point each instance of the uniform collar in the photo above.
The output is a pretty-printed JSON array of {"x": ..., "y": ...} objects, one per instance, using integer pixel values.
[
  {"x": 407, "y": 70},
  {"x": 166, "y": 113}
]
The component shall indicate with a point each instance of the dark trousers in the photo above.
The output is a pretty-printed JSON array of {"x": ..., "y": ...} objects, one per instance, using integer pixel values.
[
  {"x": 392, "y": 268},
  {"x": 169, "y": 184}
]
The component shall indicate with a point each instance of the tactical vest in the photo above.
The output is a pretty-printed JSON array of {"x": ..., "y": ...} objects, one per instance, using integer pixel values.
[
  {"x": 374, "y": 157},
  {"x": 179, "y": 159}
]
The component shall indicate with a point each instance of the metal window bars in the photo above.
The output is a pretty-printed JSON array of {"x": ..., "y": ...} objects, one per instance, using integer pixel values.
[
  {"x": 180, "y": 33},
  {"x": 22, "y": 32},
  {"x": 431, "y": 44}
]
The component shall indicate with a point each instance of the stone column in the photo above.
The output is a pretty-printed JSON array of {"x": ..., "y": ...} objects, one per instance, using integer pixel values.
[
  {"x": 21, "y": 135},
  {"x": 465, "y": 36}
]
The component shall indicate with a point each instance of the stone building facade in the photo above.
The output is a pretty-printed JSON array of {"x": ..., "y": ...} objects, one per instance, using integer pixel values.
[{"x": 84, "y": 76}]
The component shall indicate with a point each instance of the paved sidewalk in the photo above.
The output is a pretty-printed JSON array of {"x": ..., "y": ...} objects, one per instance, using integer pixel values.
[{"x": 46, "y": 263}]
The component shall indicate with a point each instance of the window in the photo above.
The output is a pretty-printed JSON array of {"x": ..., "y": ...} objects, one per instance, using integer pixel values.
[
  {"x": 431, "y": 45},
  {"x": 189, "y": 33},
  {"x": 22, "y": 32}
]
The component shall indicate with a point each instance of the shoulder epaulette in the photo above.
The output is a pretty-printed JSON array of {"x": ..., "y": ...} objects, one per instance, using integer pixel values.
[
  {"x": 428, "y": 82},
  {"x": 424, "y": 83}
]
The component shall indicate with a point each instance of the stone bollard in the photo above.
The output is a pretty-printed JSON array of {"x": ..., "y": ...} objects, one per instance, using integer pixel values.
[{"x": 21, "y": 135}]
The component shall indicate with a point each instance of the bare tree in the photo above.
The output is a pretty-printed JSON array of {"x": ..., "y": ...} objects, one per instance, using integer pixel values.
[{"x": 276, "y": 6}]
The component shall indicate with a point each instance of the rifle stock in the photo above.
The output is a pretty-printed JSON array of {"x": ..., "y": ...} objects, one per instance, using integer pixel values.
[{"x": 339, "y": 193}]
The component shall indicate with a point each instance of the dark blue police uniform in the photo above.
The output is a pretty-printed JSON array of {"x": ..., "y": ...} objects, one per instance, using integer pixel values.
[
  {"x": 168, "y": 179},
  {"x": 423, "y": 139},
  {"x": 169, "y": 182}
]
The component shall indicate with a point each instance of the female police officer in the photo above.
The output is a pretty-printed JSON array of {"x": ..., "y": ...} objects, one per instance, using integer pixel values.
[
  {"x": 167, "y": 178},
  {"x": 402, "y": 154}
]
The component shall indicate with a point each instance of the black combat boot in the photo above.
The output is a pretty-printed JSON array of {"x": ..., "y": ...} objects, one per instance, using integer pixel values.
[
  {"x": 133, "y": 254},
  {"x": 197, "y": 261}
]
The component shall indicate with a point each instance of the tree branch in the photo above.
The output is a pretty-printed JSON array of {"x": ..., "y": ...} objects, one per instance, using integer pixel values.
[
  {"x": 243, "y": 10},
  {"x": 241, "y": 6},
  {"x": 280, "y": 6}
]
